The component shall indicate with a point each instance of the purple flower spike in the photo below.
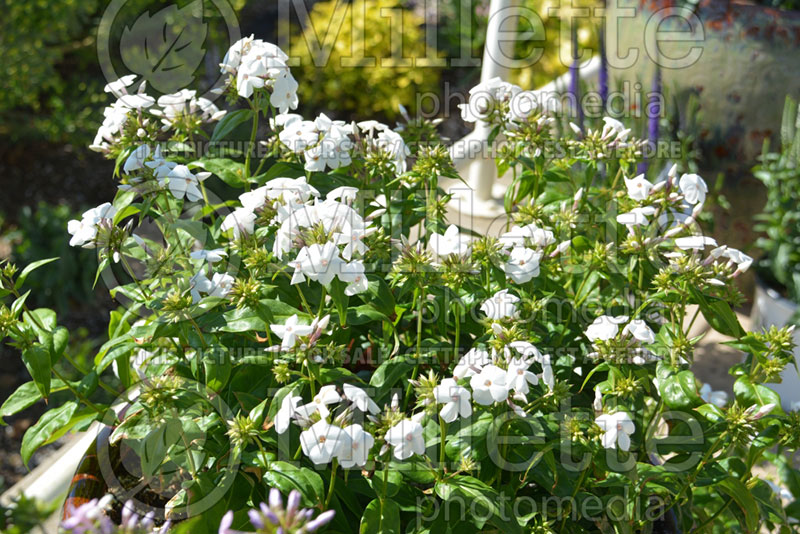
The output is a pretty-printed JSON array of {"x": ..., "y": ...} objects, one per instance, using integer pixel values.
[
  {"x": 575, "y": 79},
  {"x": 602, "y": 76},
  {"x": 255, "y": 519},
  {"x": 275, "y": 500},
  {"x": 653, "y": 117},
  {"x": 225, "y": 524},
  {"x": 323, "y": 519},
  {"x": 271, "y": 517},
  {"x": 654, "y": 109},
  {"x": 293, "y": 502}
]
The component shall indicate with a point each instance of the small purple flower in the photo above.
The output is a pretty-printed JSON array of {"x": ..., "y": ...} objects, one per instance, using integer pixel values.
[
  {"x": 653, "y": 117},
  {"x": 602, "y": 76},
  {"x": 575, "y": 80}
]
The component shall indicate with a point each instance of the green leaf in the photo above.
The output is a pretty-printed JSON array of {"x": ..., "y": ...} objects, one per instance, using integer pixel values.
[
  {"x": 231, "y": 121},
  {"x": 742, "y": 496},
  {"x": 711, "y": 412},
  {"x": 679, "y": 391},
  {"x": 389, "y": 373},
  {"x": 50, "y": 422},
  {"x": 748, "y": 394},
  {"x": 380, "y": 518},
  {"x": 37, "y": 360},
  {"x": 340, "y": 300},
  {"x": 394, "y": 481},
  {"x": 29, "y": 269},
  {"x": 218, "y": 369},
  {"x": 25, "y": 396},
  {"x": 476, "y": 495},
  {"x": 365, "y": 314},
  {"x": 286, "y": 477},
  {"x": 470, "y": 440},
  {"x": 60, "y": 341},
  {"x": 104, "y": 359},
  {"x": 43, "y": 317},
  {"x": 381, "y": 296},
  {"x": 718, "y": 313},
  {"x": 229, "y": 171},
  {"x": 282, "y": 169},
  {"x": 243, "y": 320},
  {"x": 789, "y": 121}
]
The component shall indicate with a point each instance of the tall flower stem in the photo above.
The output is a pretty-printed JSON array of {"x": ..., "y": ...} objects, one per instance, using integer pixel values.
[
  {"x": 443, "y": 431},
  {"x": 78, "y": 394},
  {"x": 332, "y": 484},
  {"x": 457, "y": 318},
  {"x": 420, "y": 297},
  {"x": 251, "y": 144}
]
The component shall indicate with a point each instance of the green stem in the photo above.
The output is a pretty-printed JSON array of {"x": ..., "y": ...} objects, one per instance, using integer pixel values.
[
  {"x": 306, "y": 307},
  {"x": 443, "y": 430},
  {"x": 199, "y": 332},
  {"x": 311, "y": 379},
  {"x": 78, "y": 394},
  {"x": 456, "y": 347},
  {"x": 690, "y": 480},
  {"x": 420, "y": 295},
  {"x": 84, "y": 372},
  {"x": 383, "y": 495},
  {"x": 616, "y": 178},
  {"x": 253, "y": 132},
  {"x": 322, "y": 302},
  {"x": 332, "y": 485},
  {"x": 714, "y": 516},
  {"x": 572, "y": 499}
]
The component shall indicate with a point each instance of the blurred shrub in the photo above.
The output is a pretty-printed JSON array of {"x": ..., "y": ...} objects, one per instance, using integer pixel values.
[
  {"x": 780, "y": 220},
  {"x": 42, "y": 233},
  {"x": 328, "y": 82},
  {"x": 460, "y": 32},
  {"x": 46, "y": 47},
  {"x": 557, "y": 47},
  {"x": 53, "y": 84}
]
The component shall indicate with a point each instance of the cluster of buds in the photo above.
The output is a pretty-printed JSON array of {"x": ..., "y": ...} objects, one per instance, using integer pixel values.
[{"x": 273, "y": 518}]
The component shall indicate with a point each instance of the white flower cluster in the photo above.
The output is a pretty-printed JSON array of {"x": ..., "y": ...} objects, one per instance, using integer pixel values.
[
  {"x": 256, "y": 64},
  {"x": 378, "y": 137},
  {"x": 688, "y": 203},
  {"x": 178, "y": 179},
  {"x": 526, "y": 246},
  {"x": 292, "y": 331},
  {"x": 324, "y": 143},
  {"x": 506, "y": 379},
  {"x": 84, "y": 231},
  {"x": 183, "y": 103},
  {"x": 328, "y": 144},
  {"x": 323, "y": 441},
  {"x": 606, "y": 328},
  {"x": 297, "y": 215},
  {"x": 116, "y": 115},
  {"x": 502, "y": 103},
  {"x": 169, "y": 108}
]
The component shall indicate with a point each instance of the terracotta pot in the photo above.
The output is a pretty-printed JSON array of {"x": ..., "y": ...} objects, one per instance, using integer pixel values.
[
  {"x": 103, "y": 461},
  {"x": 746, "y": 60}
]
